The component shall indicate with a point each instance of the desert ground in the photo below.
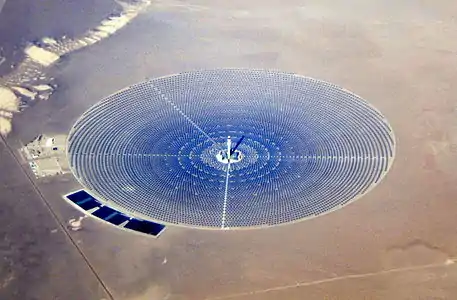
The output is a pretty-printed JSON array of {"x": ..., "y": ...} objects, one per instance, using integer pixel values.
[{"x": 397, "y": 242}]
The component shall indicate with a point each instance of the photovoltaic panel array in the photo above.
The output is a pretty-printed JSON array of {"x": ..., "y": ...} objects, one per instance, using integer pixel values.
[{"x": 89, "y": 204}]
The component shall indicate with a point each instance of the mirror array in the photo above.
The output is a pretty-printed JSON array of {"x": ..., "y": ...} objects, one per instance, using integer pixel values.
[{"x": 153, "y": 150}]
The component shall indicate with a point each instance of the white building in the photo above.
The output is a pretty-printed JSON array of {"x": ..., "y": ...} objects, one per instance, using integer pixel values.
[{"x": 46, "y": 155}]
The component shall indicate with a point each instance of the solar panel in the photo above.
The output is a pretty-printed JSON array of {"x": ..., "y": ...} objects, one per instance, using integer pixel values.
[
  {"x": 117, "y": 219},
  {"x": 79, "y": 196},
  {"x": 87, "y": 202},
  {"x": 105, "y": 213},
  {"x": 145, "y": 227},
  {"x": 231, "y": 148}
]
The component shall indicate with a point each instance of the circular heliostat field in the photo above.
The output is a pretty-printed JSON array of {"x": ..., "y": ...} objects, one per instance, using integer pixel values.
[{"x": 230, "y": 148}]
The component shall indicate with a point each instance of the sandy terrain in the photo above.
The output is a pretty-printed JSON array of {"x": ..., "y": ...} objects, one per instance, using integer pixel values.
[
  {"x": 25, "y": 21},
  {"x": 395, "y": 243},
  {"x": 8, "y": 106},
  {"x": 38, "y": 259}
]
